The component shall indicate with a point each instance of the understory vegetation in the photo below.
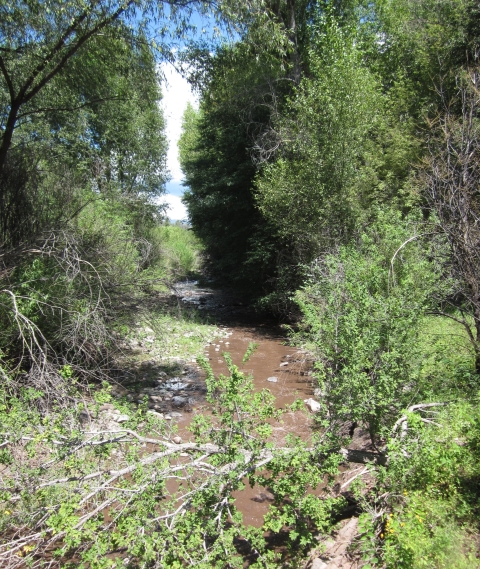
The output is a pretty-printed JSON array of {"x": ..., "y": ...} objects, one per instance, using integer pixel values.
[{"x": 332, "y": 178}]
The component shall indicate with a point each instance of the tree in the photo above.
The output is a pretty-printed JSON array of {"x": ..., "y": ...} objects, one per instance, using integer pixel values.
[
  {"x": 311, "y": 191},
  {"x": 40, "y": 42},
  {"x": 219, "y": 170},
  {"x": 113, "y": 142},
  {"x": 450, "y": 176}
]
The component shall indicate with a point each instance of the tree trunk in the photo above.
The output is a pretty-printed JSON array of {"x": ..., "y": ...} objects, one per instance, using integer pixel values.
[
  {"x": 292, "y": 33},
  {"x": 476, "y": 316},
  {"x": 8, "y": 134}
]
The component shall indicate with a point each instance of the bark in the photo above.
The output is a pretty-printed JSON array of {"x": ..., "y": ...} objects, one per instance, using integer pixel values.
[
  {"x": 292, "y": 32},
  {"x": 8, "y": 134}
]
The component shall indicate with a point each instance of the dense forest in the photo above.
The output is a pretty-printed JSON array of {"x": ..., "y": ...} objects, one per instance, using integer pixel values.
[{"x": 332, "y": 175}]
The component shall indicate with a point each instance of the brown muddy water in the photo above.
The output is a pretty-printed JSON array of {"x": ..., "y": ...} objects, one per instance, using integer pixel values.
[{"x": 284, "y": 370}]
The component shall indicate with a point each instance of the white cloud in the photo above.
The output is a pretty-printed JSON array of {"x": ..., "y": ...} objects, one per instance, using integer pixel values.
[
  {"x": 176, "y": 210},
  {"x": 176, "y": 95}
]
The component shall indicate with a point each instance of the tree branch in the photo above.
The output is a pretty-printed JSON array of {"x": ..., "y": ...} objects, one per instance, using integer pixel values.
[{"x": 8, "y": 79}]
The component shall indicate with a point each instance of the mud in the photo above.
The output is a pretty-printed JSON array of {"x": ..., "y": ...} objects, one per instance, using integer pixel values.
[{"x": 284, "y": 370}]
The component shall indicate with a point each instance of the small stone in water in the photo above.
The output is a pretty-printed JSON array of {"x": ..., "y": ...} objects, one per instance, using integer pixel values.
[
  {"x": 272, "y": 379},
  {"x": 284, "y": 364}
]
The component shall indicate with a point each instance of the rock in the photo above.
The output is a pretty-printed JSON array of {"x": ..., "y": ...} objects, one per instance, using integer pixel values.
[
  {"x": 148, "y": 391},
  {"x": 177, "y": 440},
  {"x": 313, "y": 405},
  {"x": 318, "y": 564},
  {"x": 122, "y": 418},
  {"x": 155, "y": 414},
  {"x": 107, "y": 407},
  {"x": 83, "y": 417},
  {"x": 262, "y": 497},
  {"x": 272, "y": 379},
  {"x": 175, "y": 384},
  {"x": 175, "y": 414},
  {"x": 156, "y": 398},
  {"x": 168, "y": 418},
  {"x": 283, "y": 364},
  {"x": 179, "y": 401}
]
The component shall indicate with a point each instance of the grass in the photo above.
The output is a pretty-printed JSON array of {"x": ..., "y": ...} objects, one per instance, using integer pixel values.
[
  {"x": 180, "y": 251},
  {"x": 448, "y": 357}
]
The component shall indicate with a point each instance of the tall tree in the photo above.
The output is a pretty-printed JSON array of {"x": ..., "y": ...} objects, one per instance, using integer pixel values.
[
  {"x": 40, "y": 39},
  {"x": 219, "y": 170}
]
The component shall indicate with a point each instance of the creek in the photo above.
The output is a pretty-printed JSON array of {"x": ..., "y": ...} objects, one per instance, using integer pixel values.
[{"x": 284, "y": 370}]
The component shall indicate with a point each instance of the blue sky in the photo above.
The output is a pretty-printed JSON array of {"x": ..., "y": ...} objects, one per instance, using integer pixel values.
[{"x": 176, "y": 95}]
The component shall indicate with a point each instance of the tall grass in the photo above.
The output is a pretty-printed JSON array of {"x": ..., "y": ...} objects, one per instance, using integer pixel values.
[{"x": 180, "y": 251}]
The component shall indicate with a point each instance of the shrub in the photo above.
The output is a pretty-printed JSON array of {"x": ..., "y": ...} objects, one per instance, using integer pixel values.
[{"x": 362, "y": 309}]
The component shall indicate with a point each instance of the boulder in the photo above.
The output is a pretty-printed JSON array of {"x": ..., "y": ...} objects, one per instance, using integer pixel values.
[{"x": 313, "y": 405}]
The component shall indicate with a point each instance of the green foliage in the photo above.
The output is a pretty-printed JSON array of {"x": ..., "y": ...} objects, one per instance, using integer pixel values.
[
  {"x": 423, "y": 536},
  {"x": 310, "y": 191},
  {"x": 219, "y": 173},
  {"x": 252, "y": 346},
  {"x": 180, "y": 252},
  {"x": 82, "y": 477},
  {"x": 432, "y": 484},
  {"x": 362, "y": 311}
]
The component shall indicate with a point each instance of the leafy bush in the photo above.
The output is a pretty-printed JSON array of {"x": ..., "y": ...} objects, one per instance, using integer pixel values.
[
  {"x": 362, "y": 312},
  {"x": 433, "y": 483}
]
